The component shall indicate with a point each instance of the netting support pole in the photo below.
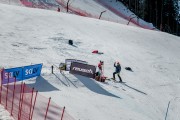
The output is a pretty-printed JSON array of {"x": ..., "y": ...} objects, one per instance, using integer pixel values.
[
  {"x": 34, "y": 105},
  {"x": 24, "y": 85},
  {"x": 13, "y": 96},
  {"x": 20, "y": 99},
  {"x": 62, "y": 113},
  {"x": 31, "y": 104},
  {"x": 47, "y": 108},
  {"x": 7, "y": 90},
  {"x": 1, "y": 84}
]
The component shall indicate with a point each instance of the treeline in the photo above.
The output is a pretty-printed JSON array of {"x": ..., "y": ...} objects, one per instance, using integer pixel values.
[{"x": 164, "y": 14}]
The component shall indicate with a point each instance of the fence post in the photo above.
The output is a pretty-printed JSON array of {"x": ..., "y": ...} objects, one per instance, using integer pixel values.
[
  {"x": 62, "y": 113},
  {"x": 52, "y": 67},
  {"x": 31, "y": 104},
  {"x": 7, "y": 90},
  {"x": 13, "y": 95},
  {"x": 34, "y": 105},
  {"x": 101, "y": 14},
  {"x": 1, "y": 84},
  {"x": 47, "y": 108},
  {"x": 22, "y": 101}
]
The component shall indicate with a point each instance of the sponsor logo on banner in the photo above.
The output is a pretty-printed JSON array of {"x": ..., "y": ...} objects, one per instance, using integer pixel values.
[
  {"x": 32, "y": 71},
  {"x": 11, "y": 74},
  {"x": 69, "y": 61},
  {"x": 83, "y": 69},
  {"x": 21, "y": 73}
]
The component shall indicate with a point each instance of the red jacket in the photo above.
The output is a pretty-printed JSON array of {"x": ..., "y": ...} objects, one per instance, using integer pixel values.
[{"x": 100, "y": 66}]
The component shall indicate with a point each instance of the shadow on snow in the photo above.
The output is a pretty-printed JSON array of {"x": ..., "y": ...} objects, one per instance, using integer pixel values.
[
  {"x": 42, "y": 85},
  {"x": 93, "y": 86}
]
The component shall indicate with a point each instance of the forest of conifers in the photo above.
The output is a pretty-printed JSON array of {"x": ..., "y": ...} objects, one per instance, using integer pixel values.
[{"x": 164, "y": 14}]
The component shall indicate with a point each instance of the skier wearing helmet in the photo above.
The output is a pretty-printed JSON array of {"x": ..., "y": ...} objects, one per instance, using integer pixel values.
[{"x": 118, "y": 69}]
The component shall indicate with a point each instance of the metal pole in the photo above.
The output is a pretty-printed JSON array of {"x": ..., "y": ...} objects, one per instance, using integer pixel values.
[
  {"x": 101, "y": 14},
  {"x": 68, "y": 5},
  {"x": 130, "y": 20},
  {"x": 169, "y": 106},
  {"x": 52, "y": 67},
  {"x": 63, "y": 113}
]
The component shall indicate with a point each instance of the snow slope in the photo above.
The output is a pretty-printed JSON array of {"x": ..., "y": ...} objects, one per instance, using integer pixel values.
[
  {"x": 92, "y": 8},
  {"x": 119, "y": 9},
  {"x": 11, "y": 2},
  {"x": 151, "y": 92},
  {"x": 4, "y": 115},
  {"x": 113, "y": 11}
]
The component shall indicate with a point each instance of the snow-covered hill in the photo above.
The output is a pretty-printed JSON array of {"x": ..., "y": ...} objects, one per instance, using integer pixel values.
[
  {"x": 151, "y": 92},
  {"x": 92, "y": 8},
  {"x": 111, "y": 10}
]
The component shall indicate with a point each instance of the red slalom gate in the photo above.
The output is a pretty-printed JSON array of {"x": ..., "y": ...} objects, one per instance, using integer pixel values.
[{"x": 24, "y": 103}]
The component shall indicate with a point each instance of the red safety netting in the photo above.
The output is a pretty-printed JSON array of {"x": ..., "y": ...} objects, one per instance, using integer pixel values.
[
  {"x": 80, "y": 12},
  {"x": 24, "y": 103}
]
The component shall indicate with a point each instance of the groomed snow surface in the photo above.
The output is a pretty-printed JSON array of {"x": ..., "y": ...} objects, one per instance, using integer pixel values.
[{"x": 152, "y": 90}]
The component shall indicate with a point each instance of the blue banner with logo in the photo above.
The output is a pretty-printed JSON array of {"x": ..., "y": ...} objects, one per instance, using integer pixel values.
[
  {"x": 32, "y": 71},
  {"x": 12, "y": 73},
  {"x": 21, "y": 73}
]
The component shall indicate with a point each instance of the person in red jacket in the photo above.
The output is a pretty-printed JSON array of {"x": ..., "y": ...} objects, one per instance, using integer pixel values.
[{"x": 99, "y": 71}]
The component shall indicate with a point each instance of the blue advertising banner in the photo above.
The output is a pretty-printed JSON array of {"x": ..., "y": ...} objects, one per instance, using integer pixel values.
[
  {"x": 20, "y": 73},
  {"x": 32, "y": 71},
  {"x": 11, "y": 73}
]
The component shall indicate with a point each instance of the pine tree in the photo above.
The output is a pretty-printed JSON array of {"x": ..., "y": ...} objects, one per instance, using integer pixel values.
[{"x": 164, "y": 14}]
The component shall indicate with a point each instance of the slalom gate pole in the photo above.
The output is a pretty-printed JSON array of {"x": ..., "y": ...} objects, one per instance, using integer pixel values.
[
  {"x": 34, "y": 105},
  {"x": 62, "y": 113},
  {"x": 20, "y": 99},
  {"x": 47, "y": 108},
  {"x": 31, "y": 104},
  {"x": 24, "y": 85},
  {"x": 13, "y": 96},
  {"x": 7, "y": 90}
]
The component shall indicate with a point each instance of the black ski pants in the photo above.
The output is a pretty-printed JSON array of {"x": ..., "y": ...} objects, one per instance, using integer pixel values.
[{"x": 117, "y": 75}]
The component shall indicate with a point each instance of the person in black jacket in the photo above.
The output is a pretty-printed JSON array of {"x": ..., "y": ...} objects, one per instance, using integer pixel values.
[{"x": 118, "y": 69}]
